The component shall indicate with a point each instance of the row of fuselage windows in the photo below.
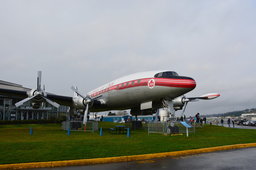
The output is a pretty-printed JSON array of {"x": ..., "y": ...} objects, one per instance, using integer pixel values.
[{"x": 130, "y": 83}]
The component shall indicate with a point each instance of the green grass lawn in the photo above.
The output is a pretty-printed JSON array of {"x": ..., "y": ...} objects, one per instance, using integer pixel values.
[{"x": 49, "y": 142}]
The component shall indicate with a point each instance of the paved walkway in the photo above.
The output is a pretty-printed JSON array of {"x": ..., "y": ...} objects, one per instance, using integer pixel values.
[
  {"x": 239, "y": 126},
  {"x": 233, "y": 159}
]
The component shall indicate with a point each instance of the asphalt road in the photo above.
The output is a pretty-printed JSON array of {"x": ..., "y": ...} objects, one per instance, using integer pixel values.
[{"x": 224, "y": 160}]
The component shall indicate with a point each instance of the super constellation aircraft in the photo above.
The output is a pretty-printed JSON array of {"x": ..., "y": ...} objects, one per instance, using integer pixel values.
[{"x": 138, "y": 92}]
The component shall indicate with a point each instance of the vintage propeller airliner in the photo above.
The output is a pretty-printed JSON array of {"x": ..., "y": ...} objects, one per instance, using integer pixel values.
[{"x": 138, "y": 92}]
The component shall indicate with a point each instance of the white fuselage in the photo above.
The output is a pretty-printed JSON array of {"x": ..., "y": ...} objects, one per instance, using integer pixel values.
[{"x": 131, "y": 91}]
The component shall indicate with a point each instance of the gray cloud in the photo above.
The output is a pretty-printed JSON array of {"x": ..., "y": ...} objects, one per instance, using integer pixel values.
[{"x": 88, "y": 43}]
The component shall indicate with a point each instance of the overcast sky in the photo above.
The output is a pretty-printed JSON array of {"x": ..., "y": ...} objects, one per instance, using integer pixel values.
[{"x": 91, "y": 42}]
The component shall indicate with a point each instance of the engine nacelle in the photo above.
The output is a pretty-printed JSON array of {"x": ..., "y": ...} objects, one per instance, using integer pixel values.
[
  {"x": 178, "y": 103},
  {"x": 79, "y": 102}
]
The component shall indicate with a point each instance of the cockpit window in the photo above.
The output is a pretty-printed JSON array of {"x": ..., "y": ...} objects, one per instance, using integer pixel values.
[{"x": 167, "y": 74}]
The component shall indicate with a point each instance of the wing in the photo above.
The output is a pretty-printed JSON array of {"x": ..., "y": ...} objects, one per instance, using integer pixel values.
[
  {"x": 16, "y": 93},
  {"x": 62, "y": 100}
]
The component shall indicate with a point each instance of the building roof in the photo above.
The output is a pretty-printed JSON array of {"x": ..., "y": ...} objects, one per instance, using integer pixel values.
[{"x": 12, "y": 86}]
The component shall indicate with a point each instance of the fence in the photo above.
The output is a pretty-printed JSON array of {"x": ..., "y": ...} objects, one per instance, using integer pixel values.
[
  {"x": 91, "y": 126},
  {"x": 167, "y": 128}
]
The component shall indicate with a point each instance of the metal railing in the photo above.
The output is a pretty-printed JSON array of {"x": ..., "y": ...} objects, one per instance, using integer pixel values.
[
  {"x": 167, "y": 127},
  {"x": 91, "y": 126}
]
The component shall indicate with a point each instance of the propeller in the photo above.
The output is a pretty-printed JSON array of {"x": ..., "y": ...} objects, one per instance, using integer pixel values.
[
  {"x": 82, "y": 101},
  {"x": 37, "y": 96}
]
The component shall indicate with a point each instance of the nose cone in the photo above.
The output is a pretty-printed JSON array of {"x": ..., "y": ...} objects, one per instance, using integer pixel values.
[{"x": 187, "y": 82}]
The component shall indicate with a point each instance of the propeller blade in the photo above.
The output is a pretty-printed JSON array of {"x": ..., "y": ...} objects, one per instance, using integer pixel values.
[
  {"x": 77, "y": 92},
  {"x": 39, "y": 80},
  {"x": 86, "y": 114},
  {"x": 87, "y": 98},
  {"x": 20, "y": 103},
  {"x": 51, "y": 102}
]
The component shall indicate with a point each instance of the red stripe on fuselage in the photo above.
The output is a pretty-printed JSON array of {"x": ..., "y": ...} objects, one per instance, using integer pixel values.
[{"x": 166, "y": 82}]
